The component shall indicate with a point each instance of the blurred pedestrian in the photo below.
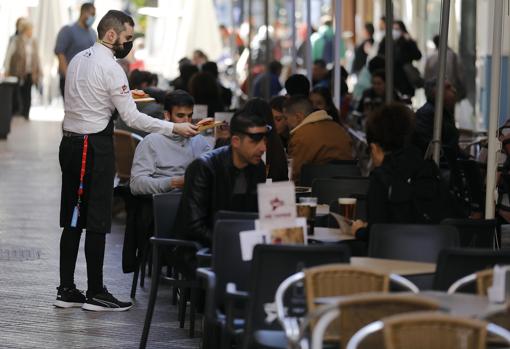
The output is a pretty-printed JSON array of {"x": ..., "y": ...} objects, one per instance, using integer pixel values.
[{"x": 75, "y": 38}]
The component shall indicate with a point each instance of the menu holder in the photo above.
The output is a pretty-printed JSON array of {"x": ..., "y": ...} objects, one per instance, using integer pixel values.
[
  {"x": 499, "y": 292},
  {"x": 293, "y": 234}
]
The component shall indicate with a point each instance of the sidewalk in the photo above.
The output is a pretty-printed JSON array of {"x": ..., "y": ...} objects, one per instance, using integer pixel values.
[{"x": 29, "y": 251}]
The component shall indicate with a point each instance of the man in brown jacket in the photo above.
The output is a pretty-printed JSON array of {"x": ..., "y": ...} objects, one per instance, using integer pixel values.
[{"x": 314, "y": 137}]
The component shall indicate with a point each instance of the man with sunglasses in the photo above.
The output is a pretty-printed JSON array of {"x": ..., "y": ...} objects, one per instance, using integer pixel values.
[{"x": 223, "y": 179}]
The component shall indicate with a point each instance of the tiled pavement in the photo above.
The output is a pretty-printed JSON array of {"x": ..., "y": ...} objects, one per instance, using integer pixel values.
[{"x": 29, "y": 237}]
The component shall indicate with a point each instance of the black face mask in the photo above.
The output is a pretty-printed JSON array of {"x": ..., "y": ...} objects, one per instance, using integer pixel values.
[{"x": 121, "y": 51}]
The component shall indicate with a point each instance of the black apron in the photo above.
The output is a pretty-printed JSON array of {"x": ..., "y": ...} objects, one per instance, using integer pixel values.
[{"x": 95, "y": 212}]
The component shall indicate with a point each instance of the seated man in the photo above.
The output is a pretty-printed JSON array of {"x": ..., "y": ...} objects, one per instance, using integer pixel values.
[
  {"x": 314, "y": 137},
  {"x": 160, "y": 161},
  {"x": 223, "y": 179}
]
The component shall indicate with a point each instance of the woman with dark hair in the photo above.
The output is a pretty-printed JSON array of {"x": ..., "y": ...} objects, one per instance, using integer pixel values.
[
  {"x": 363, "y": 50},
  {"x": 204, "y": 88},
  {"x": 402, "y": 181},
  {"x": 321, "y": 99},
  {"x": 276, "y": 159}
]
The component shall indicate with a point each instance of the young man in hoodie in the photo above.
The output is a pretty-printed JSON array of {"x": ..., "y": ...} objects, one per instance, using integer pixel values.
[
  {"x": 160, "y": 161},
  {"x": 314, "y": 137}
]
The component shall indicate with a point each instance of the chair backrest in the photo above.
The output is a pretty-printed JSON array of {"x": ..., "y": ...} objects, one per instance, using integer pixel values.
[
  {"x": 361, "y": 310},
  {"x": 125, "y": 145},
  {"x": 309, "y": 172},
  {"x": 223, "y": 214},
  {"x": 227, "y": 262},
  {"x": 165, "y": 211},
  {"x": 271, "y": 265},
  {"x": 433, "y": 330},
  {"x": 327, "y": 190},
  {"x": 474, "y": 232},
  {"x": 411, "y": 242},
  {"x": 456, "y": 263}
]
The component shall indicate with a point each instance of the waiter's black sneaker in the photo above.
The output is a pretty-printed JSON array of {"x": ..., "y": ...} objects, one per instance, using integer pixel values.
[
  {"x": 69, "y": 297},
  {"x": 105, "y": 301}
]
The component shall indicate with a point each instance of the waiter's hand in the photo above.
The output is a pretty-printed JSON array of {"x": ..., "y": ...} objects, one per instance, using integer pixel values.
[{"x": 185, "y": 129}]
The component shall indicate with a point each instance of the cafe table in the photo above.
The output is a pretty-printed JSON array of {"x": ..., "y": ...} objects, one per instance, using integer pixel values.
[
  {"x": 459, "y": 304},
  {"x": 326, "y": 235},
  {"x": 394, "y": 266}
]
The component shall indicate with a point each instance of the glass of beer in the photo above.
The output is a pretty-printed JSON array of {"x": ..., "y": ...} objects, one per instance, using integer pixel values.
[
  {"x": 307, "y": 208},
  {"x": 348, "y": 213}
]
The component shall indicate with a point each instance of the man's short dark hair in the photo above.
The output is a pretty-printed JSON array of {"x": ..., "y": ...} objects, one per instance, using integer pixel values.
[
  {"x": 391, "y": 126},
  {"x": 275, "y": 67},
  {"x": 321, "y": 63},
  {"x": 380, "y": 73},
  {"x": 277, "y": 102},
  {"x": 376, "y": 63},
  {"x": 87, "y": 6},
  {"x": 298, "y": 103},
  {"x": 115, "y": 20},
  {"x": 435, "y": 39},
  {"x": 369, "y": 27},
  {"x": 242, "y": 121},
  {"x": 297, "y": 84},
  {"x": 211, "y": 68},
  {"x": 178, "y": 98}
]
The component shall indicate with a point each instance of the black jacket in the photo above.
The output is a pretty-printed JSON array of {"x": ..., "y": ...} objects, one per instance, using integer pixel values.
[{"x": 209, "y": 185}]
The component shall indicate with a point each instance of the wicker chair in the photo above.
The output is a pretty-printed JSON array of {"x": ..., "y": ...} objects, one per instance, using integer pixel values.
[
  {"x": 125, "y": 145},
  {"x": 332, "y": 280},
  {"x": 482, "y": 278},
  {"x": 427, "y": 330},
  {"x": 357, "y": 311}
]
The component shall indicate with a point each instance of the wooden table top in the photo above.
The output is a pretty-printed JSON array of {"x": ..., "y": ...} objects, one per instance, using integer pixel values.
[{"x": 388, "y": 266}]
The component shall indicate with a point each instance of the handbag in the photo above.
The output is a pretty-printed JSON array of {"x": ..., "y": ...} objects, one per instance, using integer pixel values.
[{"x": 413, "y": 75}]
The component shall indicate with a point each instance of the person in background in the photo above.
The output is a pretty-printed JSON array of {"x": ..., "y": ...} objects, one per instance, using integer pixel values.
[
  {"x": 199, "y": 58},
  {"x": 160, "y": 161},
  {"x": 22, "y": 61},
  {"x": 204, "y": 89},
  {"x": 225, "y": 93},
  {"x": 260, "y": 83},
  {"x": 314, "y": 137},
  {"x": 280, "y": 122},
  {"x": 365, "y": 77},
  {"x": 186, "y": 72},
  {"x": 406, "y": 51},
  {"x": 321, "y": 76},
  {"x": 362, "y": 52},
  {"x": 454, "y": 69},
  {"x": 223, "y": 179},
  {"x": 297, "y": 84},
  {"x": 276, "y": 159},
  {"x": 322, "y": 100},
  {"x": 322, "y": 42},
  {"x": 75, "y": 38}
]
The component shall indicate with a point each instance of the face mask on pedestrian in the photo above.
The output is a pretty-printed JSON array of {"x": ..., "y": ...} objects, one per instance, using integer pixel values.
[
  {"x": 396, "y": 33},
  {"x": 122, "y": 50},
  {"x": 90, "y": 21}
]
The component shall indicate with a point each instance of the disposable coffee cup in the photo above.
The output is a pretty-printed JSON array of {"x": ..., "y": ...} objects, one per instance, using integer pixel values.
[{"x": 307, "y": 208}]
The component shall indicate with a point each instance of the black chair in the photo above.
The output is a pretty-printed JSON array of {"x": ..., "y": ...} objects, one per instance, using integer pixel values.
[
  {"x": 327, "y": 190},
  {"x": 235, "y": 215},
  {"x": 475, "y": 232},
  {"x": 165, "y": 211},
  {"x": 227, "y": 267},
  {"x": 309, "y": 172},
  {"x": 455, "y": 263},
  {"x": 411, "y": 242},
  {"x": 271, "y": 265}
]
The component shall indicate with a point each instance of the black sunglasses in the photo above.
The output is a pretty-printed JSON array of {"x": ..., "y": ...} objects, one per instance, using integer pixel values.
[{"x": 257, "y": 137}]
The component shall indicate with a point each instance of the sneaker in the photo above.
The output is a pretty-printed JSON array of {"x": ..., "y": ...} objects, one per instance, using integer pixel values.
[
  {"x": 69, "y": 297},
  {"x": 105, "y": 301}
]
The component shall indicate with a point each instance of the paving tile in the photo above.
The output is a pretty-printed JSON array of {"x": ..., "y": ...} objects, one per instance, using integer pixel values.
[{"x": 29, "y": 204}]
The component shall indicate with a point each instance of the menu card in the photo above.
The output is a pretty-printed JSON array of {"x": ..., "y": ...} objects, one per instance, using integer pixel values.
[{"x": 277, "y": 203}]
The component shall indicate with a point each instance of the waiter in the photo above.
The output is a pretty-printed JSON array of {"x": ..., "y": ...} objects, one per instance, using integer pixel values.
[{"x": 95, "y": 86}]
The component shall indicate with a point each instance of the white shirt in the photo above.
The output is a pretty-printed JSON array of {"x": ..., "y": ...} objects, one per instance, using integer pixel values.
[{"x": 95, "y": 86}]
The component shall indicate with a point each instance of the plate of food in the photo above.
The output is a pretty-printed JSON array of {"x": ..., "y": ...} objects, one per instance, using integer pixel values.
[
  {"x": 208, "y": 123},
  {"x": 141, "y": 97}
]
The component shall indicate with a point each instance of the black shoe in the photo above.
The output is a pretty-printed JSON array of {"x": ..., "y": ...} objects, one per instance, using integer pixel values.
[
  {"x": 69, "y": 297},
  {"x": 105, "y": 301}
]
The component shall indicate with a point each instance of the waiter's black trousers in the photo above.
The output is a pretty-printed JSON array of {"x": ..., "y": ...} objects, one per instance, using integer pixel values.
[{"x": 94, "y": 254}]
